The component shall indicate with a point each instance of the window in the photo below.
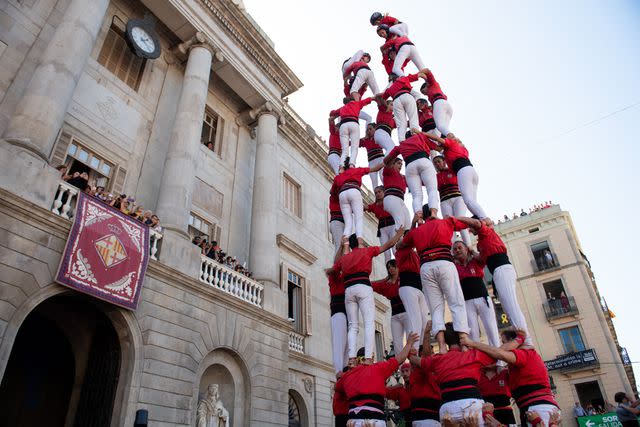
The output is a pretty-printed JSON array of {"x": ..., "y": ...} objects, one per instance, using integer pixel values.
[
  {"x": 571, "y": 339},
  {"x": 295, "y": 293},
  {"x": 543, "y": 258},
  {"x": 589, "y": 394},
  {"x": 210, "y": 126},
  {"x": 294, "y": 412},
  {"x": 291, "y": 196},
  {"x": 81, "y": 159},
  {"x": 199, "y": 226},
  {"x": 379, "y": 356},
  {"x": 558, "y": 303},
  {"x": 553, "y": 290},
  {"x": 116, "y": 57}
]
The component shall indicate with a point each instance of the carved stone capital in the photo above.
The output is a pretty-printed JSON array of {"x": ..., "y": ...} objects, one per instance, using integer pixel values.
[{"x": 200, "y": 39}]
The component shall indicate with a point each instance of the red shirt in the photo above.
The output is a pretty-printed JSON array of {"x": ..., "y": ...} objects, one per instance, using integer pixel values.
[
  {"x": 474, "y": 268},
  {"x": 351, "y": 109},
  {"x": 401, "y": 395},
  {"x": 448, "y": 185},
  {"x": 374, "y": 151},
  {"x": 378, "y": 211},
  {"x": 400, "y": 86},
  {"x": 388, "y": 20},
  {"x": 364, "y": 380},
  {"x": 356, "y": 265},
  {"x": 395, "y": 183},
  {"x": 335, "y": 212},
  {"x": 414, "y": 144},
  {"x": 385, "y": 117},
  {"x": 350, "y": 178},
  {"x": 434, "y": 92},
  {"x": 407, "y": 260},
  {"x": 391, "y": 291},
  {"x": 340, "y": 402},
  {"x": 454, "y": 150},
  {"x": 355, "y": 67},
  {"x": 529, "y": 370},
  {"x": 336, "y": 285},
  {"x": 425, "y": 394},
  {"x": 432, "y": 239},
  {"x": 489, "y": 243},
  {"x": 456, "y": 365},
  {"x": 334, "y": 139},
  {"x": 426, "y": 115},
  {"x": 497, "y": 385}
]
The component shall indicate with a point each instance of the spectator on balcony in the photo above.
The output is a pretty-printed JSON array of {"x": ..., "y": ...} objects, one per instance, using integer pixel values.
[
  {"x": 196, "y": 240},
  {"x": 63, "y": 172},
  {"x": 522, "y": 212},
  {"x": 564, "y": 302},
  {"x": 109, "y": 199},
  {"x": 155, "y": 223},
  {"x": 552, "y": 303},
  {"x": 79, "y": 180},
  {"x": 627, "y": 411},
  {"x": 549, "y": 258},
  {"x": 578, "y": 410},
  {"x": 210, "y": 145},
  {"x": 137, "y": 213},
  {"x": 506, "y": 218},
  {"x": 591, "y": 410}
]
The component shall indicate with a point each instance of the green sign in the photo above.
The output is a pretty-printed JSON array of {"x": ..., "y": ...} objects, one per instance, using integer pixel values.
[{"x": 610, "y": 419}]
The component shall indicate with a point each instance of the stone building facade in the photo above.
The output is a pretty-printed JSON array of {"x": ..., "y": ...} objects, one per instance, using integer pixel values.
[
  {"x": 567, "y": 318},
  {"x": 72, "y": 93}
]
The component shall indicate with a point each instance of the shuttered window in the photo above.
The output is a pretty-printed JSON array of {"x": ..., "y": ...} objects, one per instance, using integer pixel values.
[
  {"x": 291, "y": 196},
  {"x": 116, "y": 57}
]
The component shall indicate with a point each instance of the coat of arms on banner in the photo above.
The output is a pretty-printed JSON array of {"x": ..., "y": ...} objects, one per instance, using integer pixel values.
[{"x": 106, "y": 254}]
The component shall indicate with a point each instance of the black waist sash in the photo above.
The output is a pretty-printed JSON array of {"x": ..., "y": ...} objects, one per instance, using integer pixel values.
[
  {"x": 473, "y": 287},
  {"x": 360, "y": 278},
  {"x": 415, "y": 156},
  {"x": 347, "y": 120},
  {"x": 396, "y": 306},
  {"x": 385, "y": 222},
  {"x": 425, "y": 408},
  {"x": 438, "y": 253},
  {"x": 464, "y": 388},
  {"x": 384, "y": 127},
  {"x": 337, "y": 304},
  {"x": 393, "y": 191},
  {"x": 460, "y": 163},
  {"x": 372, "y": 400},
  {"x": 496, "y": 260},
  {"x": 410, "y": 278}
]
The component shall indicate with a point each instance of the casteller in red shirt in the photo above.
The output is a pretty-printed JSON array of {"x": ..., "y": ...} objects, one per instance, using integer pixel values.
[
  {"x": 432, "y": 239},
  {"x": 365, "y": 386},
  {"x": 356, "y": 265},
  {"x": 457, "y": 372},
  {"x": 390, "y": 290},
  {"x": 425, "y": 395},
  {"x": 433, "y": 92},
  {"x": 395, "y": 184},
  {"x": 400, "y": 86},
  {"x": 529, "y": 380},
  {"x": 340, "y": 402},
  {"x": 491, "y": 247},
  {"x": 448, "y": 185},
  {"x": 455, "y": 154},
  {"x": 350, "y": 178},
  {"x": 413, "y": 148},
  {"x": 495, "y": 390},
  {"x": 334, "y": 139},
  {"x": 351, "y": 110}
]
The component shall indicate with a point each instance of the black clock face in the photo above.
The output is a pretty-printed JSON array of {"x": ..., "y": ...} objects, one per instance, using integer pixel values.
[{"x": 142, "y": 39}]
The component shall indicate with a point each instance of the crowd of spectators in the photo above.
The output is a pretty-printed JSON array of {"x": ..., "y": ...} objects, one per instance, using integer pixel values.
[
  {"x": 126, "y": 205},
  {"x": 534, "y": 208},
  {"x": 213, "y": 251}
]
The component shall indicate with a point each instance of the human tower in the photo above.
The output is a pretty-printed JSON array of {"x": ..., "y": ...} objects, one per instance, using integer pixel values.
[{"x": 466, "y": 382}]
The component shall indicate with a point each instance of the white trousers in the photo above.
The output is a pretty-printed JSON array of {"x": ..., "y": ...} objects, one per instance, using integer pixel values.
[
  {"x": 398, "y": 210},
  {"x": 482, "y": 308},
  {"x": 349, "y": 132},
  {"x": 376, "y": 177},
  {"x": 360, "y": 298},
  {"x": 404, "y": 108},
  {"x": 399, "y": 327},
  {"x": 386, "y": 233},
  {"x": 425, "y": 423},
  {"x": 365, "y": 76},
  {"x": 407, "y": 51},
  {"x": 351, "y": 207},
  {"x": 504, "y": 279},
  {"x": 334, "y": 162},
  {"x": 339, "y": 341},
  {"x": 442, "y": 112},
  {"x": 337, "y": 229},
  {"x": 401, "y": 29},
  {"x": 455, "y": 207},
  {"x": 468, "y": 184},
  {"x": 417, "y": 311},
  {"x": 383, "y": 139},
  {"x": 421, "y": 172},
  {"x": 544, "y": 411},
  {"x": 440, "y": 282},
  {"x": 458, "y": 410}
]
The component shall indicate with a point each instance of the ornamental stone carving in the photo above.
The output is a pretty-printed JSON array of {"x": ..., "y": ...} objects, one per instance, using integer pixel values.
[{"x": 211, "y": 412}]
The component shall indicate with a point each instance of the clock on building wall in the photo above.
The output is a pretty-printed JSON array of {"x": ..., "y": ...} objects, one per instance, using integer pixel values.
[{"x": 142, "y": 37}]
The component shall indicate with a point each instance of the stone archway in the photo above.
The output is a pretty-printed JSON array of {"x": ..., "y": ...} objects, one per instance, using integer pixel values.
[
  {"x": 75, "y": 339},
  {"x": 227, "y": 369},
  {"x": 298, "y": 414}
]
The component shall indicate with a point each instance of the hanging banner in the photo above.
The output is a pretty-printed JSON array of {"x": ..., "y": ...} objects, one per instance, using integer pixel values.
[{"x": 106, "y": 254}]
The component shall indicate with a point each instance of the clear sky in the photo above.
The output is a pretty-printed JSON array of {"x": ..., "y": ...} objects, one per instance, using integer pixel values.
[{"x": 545, "y": 93}]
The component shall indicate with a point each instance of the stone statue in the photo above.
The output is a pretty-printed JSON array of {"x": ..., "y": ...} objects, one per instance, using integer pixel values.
[{"x": 211, "y": 412}]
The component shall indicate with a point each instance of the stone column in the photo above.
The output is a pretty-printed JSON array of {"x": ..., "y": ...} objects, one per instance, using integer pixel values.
[
  {"x": 264, "y": 258},
  {"x": 41, "y": 110},
  {"x": 33, "y": 128},
  {"x": 176, "y": 187}
]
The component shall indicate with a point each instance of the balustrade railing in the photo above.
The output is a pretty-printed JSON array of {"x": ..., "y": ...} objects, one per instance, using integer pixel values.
[
  {"x": 296, "y": 342},
  {"x": 240, "y": 286}
]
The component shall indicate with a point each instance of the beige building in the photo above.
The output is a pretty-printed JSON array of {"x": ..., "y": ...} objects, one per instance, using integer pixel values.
[
  {"x": 570, "y": 324},
  {"x": 198, "y": 131}
]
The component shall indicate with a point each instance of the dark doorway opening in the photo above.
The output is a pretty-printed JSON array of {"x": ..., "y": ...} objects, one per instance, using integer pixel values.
[{"x": 589, "y": 394}]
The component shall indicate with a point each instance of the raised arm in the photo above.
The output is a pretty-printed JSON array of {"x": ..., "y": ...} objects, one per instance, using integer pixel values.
[
  {"x": 471, "y": 222},
  {"x": 495, "y": 352},
  {"x": 377, "y": 167},
  {"x": 426, "y": 340},
  {"x": 404, "y": 353},
  {"x": 391, "y": 242}
]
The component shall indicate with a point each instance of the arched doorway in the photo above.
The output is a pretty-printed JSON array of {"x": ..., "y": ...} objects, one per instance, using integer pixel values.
[
  {"x": 298, "y": 416},
  {"x": 64, "y": 366}
]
